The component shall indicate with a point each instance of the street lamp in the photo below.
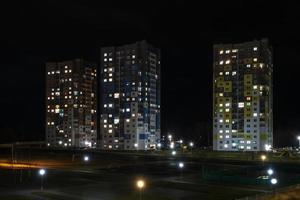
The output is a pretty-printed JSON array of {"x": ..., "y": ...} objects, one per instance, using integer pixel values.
[
  {"x": 173, "y": 153},
  {"x": 180, "y": 166},
  {"x": 274, "y": 181},
  {"x": 299, "y": 140},
  {"x": 270, "y": 172},
  {"x": 191, "y": 144},
  {"x": 42, "y": 172},
  {"x": 86, "y": 158},
  {"x": 140, "y": 184}
]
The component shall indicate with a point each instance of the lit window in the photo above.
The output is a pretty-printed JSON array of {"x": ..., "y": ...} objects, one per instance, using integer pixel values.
[
  {"x": 227, "y": 136},
  {"x": 220, "y": 131},
  {"x": 116, "y": 95},
  {"x": 110, "y": 115},
  {"x": 221, "y": 52},
  {"x": 241, "y": 105},
  {"x": 227, "y": 110},
  {"x": 248, "y": 98},
  {"x": 255, "y": 59},
  {"x": 105, "y": 105},
  {"x": 220, "y": 105},
  {"x": 49, "y": 73},
  {"x": 110, "y": 69},
  {"x": 127, "y": 109},
  {"x": 261, "y": 65},
  {"x": 227, "y": 104},
  {"x": 221, "y": 62},
  {"x": 254, "y": 48},
  {"x": 221, "y": 73},
  {"x": 227, "y": 131},
  {"x": 70, "y": 79},
  {"x": 248, "y": 104},
  {"x": 116, "y": 121},
  {"x": 227, "y": 62},
  {"x": 248, "y": 147},
  {"x": 133, "y": 115},
  {"x": 226, "y": 145},
  {"x": 52, "y": 72},
  {"x": 66, "y": 67},
  {"x": 109, "y": 126},
  {"x": 233, "y": 73},
  {"x": 255, "y": 87},
  {"x": 110, "y": 59},
  {"x": 110, "y": 75},
  {"x": 110, "y": 80},
  {"x": 105, "y": 70},
  {"x": 105, "y": 120},
  {"x": 221, "y": 136},
  {"x": 221, "y": 120},
  {"x": 105, "y": 59},
  {"x": 227, "y": 51},
  {"x": 221, "y": 110},
  {"x": 127, "y": 120},
  {"x": 105, "y": 54},
  {"x": 110, "y": 105},
  {"x": 248, "y": 142},
  {"x": 242, "y": 147},
  {"x": 234, "y": 50},
  {"x": 70, "y": 70},
  {"x": 220, "y": 94},
  {"x": 105, "y": 80},
  {"x": 248, "y": 65},
  {"x": 254, "y": 114},
  {"x": 110, "y": 131},
  {"x": 227, "y": 121},
  {"x": 66, "y": 71},
  {"x": 226, "y": 73},
  {"x": 133, "y": 56}
]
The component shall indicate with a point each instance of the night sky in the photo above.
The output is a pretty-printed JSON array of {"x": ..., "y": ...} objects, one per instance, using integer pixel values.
[{"x": 33, "y": 32}]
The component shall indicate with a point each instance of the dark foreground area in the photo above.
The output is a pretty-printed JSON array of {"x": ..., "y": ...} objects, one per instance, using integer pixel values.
[{"x": 113, "y": 176}]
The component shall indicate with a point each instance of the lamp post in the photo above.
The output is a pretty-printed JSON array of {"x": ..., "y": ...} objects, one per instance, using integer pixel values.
[
  {"x": 263, "y": 158},
  {"x": 273, "y": 181},
  {"x": 181, "y": 166},
  {"x": 298, "y": 138},
  {"x": 42, "y": 172},
  {"x": 140, "y": 185}
]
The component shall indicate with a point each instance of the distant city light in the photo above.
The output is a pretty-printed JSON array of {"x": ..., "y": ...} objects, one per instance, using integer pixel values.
[
  {"x": 180, "y": 165},
  {"x": 42, "y": 172},
  {"x": 86, "y": 158},
  {"x": 140, "y": 184},
  {"x": 173, "y": 153},
  {"x": 159, "y": 145},
  {"x": 263, "y": 157},
  {"x": 274, "y": 181},
  {"x": 270, "y": 171},
  {"x": 191, "y": 144}
]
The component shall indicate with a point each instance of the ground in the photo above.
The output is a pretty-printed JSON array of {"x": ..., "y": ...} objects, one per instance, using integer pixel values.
[{"x": 112, "y": 176}]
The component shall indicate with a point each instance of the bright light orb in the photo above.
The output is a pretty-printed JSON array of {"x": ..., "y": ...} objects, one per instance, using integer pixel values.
[
  {"x": 173, "y": 153},
  {"x": 270, "y": 171},
  {"x": 181, "y": 165},
  {"x": 274, "y": 181},
  {"x": 140, "y": 184},
  {"x": 263, "y": 157},
  {"x": 159, "y": 145},
  {"x": 298, "y": 137},
  {"x": 86, "y": 158},
  {"x": 191, "y": 144},
  {"x": 42, "y": 172}
]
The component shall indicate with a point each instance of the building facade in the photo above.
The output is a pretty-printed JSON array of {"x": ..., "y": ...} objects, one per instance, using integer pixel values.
[
  {"x": 130, "y": 100},
  {"x": 242, "y": 96},
  {"x": 71, "y": 104}
]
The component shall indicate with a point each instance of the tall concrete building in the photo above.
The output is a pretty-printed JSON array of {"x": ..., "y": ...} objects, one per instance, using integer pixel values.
[
  {"x": 71, "y": 104},
  {"x": 242, "y": 96},
  {"x": 130, "y": 100}
]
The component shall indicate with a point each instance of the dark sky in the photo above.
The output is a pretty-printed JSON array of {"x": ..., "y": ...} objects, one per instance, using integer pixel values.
[{"x": 33, "y": 32}]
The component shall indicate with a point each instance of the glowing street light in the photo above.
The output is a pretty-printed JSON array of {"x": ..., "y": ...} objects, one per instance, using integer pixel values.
[
  {"x": 191, "y": 144},
  {"x": 181, "y": 165},
  {"x": 263, "y": 157},
  {"x": 274, "y": 181},
  {"x": 173, "y": 153},
  {"x": 180, "y": 141},
  {"x": 172, "y": 145},
  {"x": 159, "y": 145},
  {"x": 42, "y": 172},
  {"x": 170, "y": 137},
  {"x": 86, "y": 158},
  {"x": 140, "y": 184},
  {"x": 298, "y": 138},
  {"x": 270, "y": 172}
]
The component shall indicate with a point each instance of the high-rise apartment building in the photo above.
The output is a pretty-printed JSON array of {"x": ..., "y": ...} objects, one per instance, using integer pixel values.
[
  {"x": 242, "y": 96},
  {"x": 71, "y": 104},
  {"x": 130, "y": 100}
]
